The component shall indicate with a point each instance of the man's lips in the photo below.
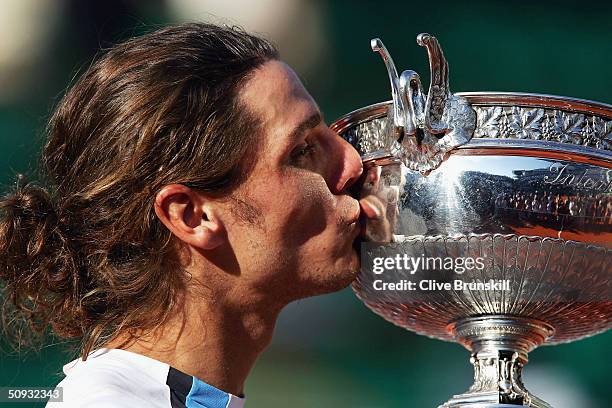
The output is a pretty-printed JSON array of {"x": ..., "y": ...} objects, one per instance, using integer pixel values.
[
  {"x": 356, "y": 214},
  {"x": 359, "y": 220},
  {"x": 353, "y": 222}
]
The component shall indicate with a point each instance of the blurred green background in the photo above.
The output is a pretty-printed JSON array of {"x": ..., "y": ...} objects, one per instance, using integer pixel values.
[{"x": 330, "y": 351}]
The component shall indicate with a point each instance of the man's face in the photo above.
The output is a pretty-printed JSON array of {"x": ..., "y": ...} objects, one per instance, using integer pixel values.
[{"x": 301, "y": 244}]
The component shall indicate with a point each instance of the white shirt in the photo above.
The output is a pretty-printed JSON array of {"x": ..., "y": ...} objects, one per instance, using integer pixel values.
[{"x": 119, "y": 378}]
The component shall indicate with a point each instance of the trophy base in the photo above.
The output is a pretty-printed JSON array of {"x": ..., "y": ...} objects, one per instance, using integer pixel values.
[
  {"x": 499, "y": 346},
  {"x": 483, "y": 406}
]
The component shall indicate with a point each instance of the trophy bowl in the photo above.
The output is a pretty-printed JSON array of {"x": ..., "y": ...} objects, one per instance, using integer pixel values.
[{"x": 505, "y": 202}]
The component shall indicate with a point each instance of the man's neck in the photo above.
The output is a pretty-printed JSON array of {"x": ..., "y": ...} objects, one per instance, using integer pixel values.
[{"x": 211, "y": 341}]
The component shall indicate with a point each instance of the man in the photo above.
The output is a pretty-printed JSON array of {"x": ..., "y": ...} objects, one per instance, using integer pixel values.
[{"x": 194, "y": 191}]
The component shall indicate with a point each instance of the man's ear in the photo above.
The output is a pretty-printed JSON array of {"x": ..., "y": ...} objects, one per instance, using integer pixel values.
[{"x": 189, "y": 216}]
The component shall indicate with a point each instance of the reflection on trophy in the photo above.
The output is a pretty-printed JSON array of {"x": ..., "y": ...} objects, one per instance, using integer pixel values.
[{"x": 520, "y": 182}]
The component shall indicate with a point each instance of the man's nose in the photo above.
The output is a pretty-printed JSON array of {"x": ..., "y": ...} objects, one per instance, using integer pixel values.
[{"x": 345, "y": 163}]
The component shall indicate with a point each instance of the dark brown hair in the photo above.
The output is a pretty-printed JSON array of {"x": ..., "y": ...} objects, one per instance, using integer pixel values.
[{"x": 85, "y": 253}]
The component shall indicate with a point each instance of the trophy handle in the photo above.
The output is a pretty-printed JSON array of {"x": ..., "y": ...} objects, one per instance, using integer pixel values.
[
  {"x": 435, "y": 123},
  {"x": 439, "y": 91},
  {"x": 402, "y": 122}
]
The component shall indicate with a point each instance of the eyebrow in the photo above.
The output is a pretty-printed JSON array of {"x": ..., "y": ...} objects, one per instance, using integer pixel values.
[{"x": 309, "y": 123}]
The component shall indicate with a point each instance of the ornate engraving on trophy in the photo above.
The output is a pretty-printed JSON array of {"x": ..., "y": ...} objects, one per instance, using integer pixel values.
[
  {"x": 518, "y": 122},
  {"x": 590, "y": 179}
]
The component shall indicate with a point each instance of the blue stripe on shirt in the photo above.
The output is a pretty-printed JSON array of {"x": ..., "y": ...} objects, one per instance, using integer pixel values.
[{"x": 203, "y": 395}]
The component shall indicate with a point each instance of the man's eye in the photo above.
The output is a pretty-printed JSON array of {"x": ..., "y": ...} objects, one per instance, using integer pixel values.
[{"x": 302, "y": 151}]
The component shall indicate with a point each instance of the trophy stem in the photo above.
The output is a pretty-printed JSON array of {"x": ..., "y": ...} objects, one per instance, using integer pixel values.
[{"x": 499, "y": 346}]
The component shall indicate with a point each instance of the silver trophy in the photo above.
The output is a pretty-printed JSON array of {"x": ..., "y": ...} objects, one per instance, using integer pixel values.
[{"x": 522, "y": 182}]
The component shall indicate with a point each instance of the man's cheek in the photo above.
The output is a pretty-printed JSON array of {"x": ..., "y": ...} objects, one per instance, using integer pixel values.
[{"x": 305, "y": 215}]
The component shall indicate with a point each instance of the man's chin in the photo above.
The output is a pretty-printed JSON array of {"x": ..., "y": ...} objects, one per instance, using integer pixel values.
[
  {"x": 331, "y": 282},
  {"x": 331, "y": 286},
  {"x": 341, "y": 278}
]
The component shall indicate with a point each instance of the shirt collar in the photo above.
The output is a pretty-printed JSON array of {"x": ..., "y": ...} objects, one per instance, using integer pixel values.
[{"x": 185, "y": 390}]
